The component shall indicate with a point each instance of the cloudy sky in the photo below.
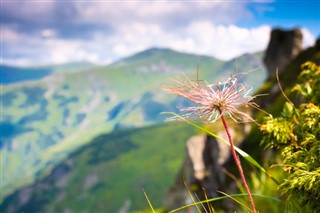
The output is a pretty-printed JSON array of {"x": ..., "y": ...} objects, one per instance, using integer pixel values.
[{"x": 46, "y": 32}]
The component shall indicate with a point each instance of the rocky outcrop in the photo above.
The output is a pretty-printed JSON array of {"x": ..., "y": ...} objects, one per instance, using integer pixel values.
[
  {"x": 283, "y": 47},
  {"x": 202, "y": 172}
]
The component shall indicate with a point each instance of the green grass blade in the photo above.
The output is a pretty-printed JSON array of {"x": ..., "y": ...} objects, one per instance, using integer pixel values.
[
  {"x": 241, "y": 152},
  {"x": 235, "y": 200},
  {"x": 211, "y": 209},
  {"x": 145, "y": 194},
  {"x": 191, "y": 196},
  {"x": 224, "y": 197}
]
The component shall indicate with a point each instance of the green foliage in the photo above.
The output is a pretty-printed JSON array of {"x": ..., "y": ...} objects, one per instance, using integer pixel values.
[
  {"x": 310, "y": 89},
  {"x": 296, "y": 134},
  {"x": 110, "y": 171}
]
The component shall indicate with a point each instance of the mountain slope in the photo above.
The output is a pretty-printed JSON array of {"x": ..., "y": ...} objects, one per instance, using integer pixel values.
[
  {"x": 177, "y": 61},
  {"x": 109, "y": 173},
  {"x": 48, "y": 119}
]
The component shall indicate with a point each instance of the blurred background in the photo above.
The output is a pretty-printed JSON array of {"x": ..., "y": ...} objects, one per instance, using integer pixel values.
[{"x": 81, "y": 129}]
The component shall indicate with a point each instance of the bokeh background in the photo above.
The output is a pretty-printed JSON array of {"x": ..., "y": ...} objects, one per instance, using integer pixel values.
[{"x": 81, "y": 129}]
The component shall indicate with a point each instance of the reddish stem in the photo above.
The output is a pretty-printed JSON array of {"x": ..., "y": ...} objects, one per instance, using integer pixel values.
[{"x": 236, "y": 159}]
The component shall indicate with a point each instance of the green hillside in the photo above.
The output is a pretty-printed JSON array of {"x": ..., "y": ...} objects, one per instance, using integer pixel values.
[
  {"x": 109, "y": 173},
  {"x": 46, "y": 120}
]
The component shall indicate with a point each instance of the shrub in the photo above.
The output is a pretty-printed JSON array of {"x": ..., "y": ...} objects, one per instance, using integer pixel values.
[{"x": 296, "y": 135}]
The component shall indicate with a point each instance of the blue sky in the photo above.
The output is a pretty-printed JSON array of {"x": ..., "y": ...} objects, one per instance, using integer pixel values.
[
  {"x": 50, "y": 32},
  {"x": 288, "y": 14}
]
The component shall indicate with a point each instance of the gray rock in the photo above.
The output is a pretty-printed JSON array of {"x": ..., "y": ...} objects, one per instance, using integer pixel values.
[
  {"x": 283, "y": 47},
  {"x": 202, "y": 169}
]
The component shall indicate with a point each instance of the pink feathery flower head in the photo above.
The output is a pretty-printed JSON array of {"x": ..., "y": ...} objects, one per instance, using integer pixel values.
[{"x": 214, "y": 99}]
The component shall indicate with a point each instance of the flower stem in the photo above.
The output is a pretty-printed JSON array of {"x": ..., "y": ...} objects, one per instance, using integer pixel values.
[{"x": 236, "y": 159}]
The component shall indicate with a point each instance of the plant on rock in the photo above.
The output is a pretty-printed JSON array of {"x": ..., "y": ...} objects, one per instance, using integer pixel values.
[{"x": 296, "y": 134}]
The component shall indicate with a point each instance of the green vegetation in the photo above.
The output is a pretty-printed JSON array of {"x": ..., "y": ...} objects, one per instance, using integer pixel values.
[
  {"x": 296, "y": 134},
  {"x": 292, "y": 183},
  {"x": 275, "y": 104},
  {"x": 48, "y": 119},
  {"x": 92, "y": 140},
  {"x": 112, "y": 170}
]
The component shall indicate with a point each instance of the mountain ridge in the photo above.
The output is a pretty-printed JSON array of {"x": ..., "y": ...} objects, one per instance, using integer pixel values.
[
  {"x": 18, "y": 74},
  {"x": 21, "y": 74}
]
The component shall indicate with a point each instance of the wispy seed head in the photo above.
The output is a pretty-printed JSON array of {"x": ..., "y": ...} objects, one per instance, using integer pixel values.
[{"x": 214, "y": 99}]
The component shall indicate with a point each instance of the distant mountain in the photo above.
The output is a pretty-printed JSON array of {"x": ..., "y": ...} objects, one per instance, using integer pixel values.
[
  {"x": 250, "y": 65},
  {"x": 74, "y": 67},
  {"x": 13, "y": 74},
  {"x": 159, "y": 58},
  {"x": 10, "y": 74},
  {"x": 47, "y": 119},
  {"x": 209, "y": 68}
]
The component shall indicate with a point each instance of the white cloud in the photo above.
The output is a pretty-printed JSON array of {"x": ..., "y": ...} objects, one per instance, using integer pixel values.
[
  {"x": 202, "y": 37},
  {"x": 47, "y": 33},
  {"x": 308, "y": 38},
  {"x": 162, "y": 12},
  {"x": 9, "y": 35},
  {"x": 44, "y": 49},
  {"x": 120, "y": 50},
  {"x": 197, "y": 27},
  {"x": 16, "y": 61},
  {"x": 63, "y": 51}
]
